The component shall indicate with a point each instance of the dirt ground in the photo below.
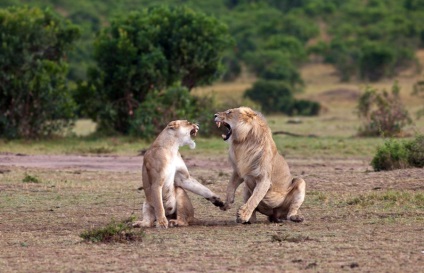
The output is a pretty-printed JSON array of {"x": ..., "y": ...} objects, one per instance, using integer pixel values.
[{"x": 355, "y": 219}]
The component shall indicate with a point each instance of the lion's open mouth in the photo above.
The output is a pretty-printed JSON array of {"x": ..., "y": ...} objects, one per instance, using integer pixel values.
[
  {"x": 227, "y": 129},
  {"x": 193, "y": 132}
]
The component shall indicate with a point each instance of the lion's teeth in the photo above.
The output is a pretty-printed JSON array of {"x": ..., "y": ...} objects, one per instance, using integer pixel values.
[
  {"x": 218, "y": 124},
  {"x": 223, "y": 136}
]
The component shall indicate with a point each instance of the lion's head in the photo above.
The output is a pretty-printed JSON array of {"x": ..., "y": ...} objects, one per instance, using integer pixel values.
[
  {"x": 239, "y": 122},
  {"x": 183, "y": 131}
]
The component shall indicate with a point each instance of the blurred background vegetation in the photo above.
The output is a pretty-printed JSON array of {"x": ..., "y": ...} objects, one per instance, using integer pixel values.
[{"x": 132, "y": 65}]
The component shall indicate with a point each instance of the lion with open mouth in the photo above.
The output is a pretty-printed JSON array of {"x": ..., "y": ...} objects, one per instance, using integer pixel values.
[
  {"x": 166, "y": 179},
  {"x": 269, "y": 187}
]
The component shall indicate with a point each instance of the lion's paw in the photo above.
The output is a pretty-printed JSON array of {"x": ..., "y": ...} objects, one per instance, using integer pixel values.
[
  {"x": 296, "y": 218},
  {"x": 225, "y": 207},
  {"x": 216, "y": 201},
  {"x": 162, "y": 223},
  {"x": 138, "y": 224},
  {"x": 243, "y": 215}
]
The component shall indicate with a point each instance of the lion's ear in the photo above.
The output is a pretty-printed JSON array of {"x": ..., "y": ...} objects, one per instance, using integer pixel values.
[
  {"x": 173, "y": 125},
  {"x": 251, "y": 114}
]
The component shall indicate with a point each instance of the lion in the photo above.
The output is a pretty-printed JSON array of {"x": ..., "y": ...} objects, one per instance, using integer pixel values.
[
  {"x": 269, "y": 187},
  {"x": 166, "y": 179}
]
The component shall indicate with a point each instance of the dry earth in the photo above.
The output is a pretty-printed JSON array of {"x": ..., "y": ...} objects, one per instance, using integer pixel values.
[{"x": 356, "y": 220}]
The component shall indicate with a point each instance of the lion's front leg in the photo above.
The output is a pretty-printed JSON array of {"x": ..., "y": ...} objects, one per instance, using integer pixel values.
[
  {"x": 185, "y": 181},
  {"x": 234, "y": 183},
  {"x": 161, "y": 220},
  {"x": 245, "y": 211}
]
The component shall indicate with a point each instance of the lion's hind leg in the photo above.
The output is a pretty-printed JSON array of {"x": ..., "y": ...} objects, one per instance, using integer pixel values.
[
  {"x": 289, "y": 209},
  {"x": 295, "y": 199},
  {"x": 185, "y": 210}
]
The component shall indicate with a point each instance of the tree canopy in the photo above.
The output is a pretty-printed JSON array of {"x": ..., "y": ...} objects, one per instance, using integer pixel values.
[
  {"x": 150, "y": 50},
  {"x": 34, "y": 97}
]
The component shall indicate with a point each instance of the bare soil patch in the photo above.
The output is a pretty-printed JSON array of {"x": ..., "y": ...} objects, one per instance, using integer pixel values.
[{"x": 355, "y": 219}]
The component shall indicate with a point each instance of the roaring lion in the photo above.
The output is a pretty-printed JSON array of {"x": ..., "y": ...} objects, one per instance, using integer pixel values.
[
  {"x": 269, "y": 187},
  {"x": 165, "y": 179}
]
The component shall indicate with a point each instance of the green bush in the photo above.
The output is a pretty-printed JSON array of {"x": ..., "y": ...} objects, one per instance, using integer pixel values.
[
  {"x": 382, "y": 113},
  {"x": 161, "y": 107},
  {"x": 277, "y": 96},
  {"x": 416, "y": 152},
  {"x": 396, "y": 154},
  {"x": 35, "y": 100},
  {"x": 148, "y": 50},
  {"x": 306, "y": 108},
  {"x": 272, "y": 95}
]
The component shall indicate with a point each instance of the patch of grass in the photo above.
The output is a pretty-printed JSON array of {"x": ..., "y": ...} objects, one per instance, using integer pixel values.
[
  {"x": 388, "y": 198},
  {"x": 30, "y": 179},
  {"x": 114, "y": 232}
]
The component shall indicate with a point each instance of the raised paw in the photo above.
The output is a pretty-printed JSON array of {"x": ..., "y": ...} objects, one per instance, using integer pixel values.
[
  {"x": 296, "y": 218},
  {"x": 216, "y": 201},
  {"x": 162, "y": 223},
  {"x": 243, "y": 215}
]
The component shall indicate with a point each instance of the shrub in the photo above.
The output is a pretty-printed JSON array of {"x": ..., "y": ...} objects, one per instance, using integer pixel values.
[
  {"x": 392, "y": 155},
  {"x": 395, "y": 154},
  {"x": 277, "y": 96},
  {"x": 382, "y": 112},
  {"x": 274, "y": 96},
  {"x": 34, "y": 98},
  {"x": 160, "y": 107},
  {"x": 152, "y": 49},
  {"x": 416, "y": 151}
]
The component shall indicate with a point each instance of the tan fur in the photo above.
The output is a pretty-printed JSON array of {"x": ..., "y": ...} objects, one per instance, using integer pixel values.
[
  {"x": 165, "y": 179},
  {"x": 269, "y": 186}
]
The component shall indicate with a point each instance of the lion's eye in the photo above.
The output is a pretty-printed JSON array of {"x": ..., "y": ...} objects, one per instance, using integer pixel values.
[{"x": 229, "y": 112}]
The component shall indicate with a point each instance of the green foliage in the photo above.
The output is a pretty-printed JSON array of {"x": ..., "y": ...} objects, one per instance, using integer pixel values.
[
  {"x": 372, "y": 39},
  {"x": 275, "y": 65},
  {"x": 392, "y": 155},
  {"x": 30, "y": 179},
  {"x": 34, "y": 98},
  {"x": 277, "y": 96},
  {"x": 394, "y": 25},
  {"x": 114, "y": 232},
  {"x": 146, "y": 51},
  {"x": 174, "y": 103},
  {"x": 396, "y": 154},
  {"x": 382, "y": 113},
  {"x": 416, "y": 151}
]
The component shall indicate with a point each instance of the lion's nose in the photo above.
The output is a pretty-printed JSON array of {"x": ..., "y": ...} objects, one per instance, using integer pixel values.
[{"x": 216, "y": 115}]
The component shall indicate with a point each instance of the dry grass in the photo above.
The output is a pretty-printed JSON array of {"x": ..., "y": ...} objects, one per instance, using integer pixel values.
[{"x": 353, "y": 217}]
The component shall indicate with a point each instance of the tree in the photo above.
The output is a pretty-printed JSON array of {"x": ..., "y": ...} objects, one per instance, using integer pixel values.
[
  {"x": 150, "y": 50},
  {"x": 34, "y": 97}
]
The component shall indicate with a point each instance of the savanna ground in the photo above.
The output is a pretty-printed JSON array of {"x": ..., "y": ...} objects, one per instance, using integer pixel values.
[{"x": 355, "y": 219}]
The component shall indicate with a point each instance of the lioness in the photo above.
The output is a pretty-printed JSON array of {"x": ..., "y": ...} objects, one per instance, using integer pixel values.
[
  {"x": 165, "y": 179},
  {"x": 269, "y": 186}
]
